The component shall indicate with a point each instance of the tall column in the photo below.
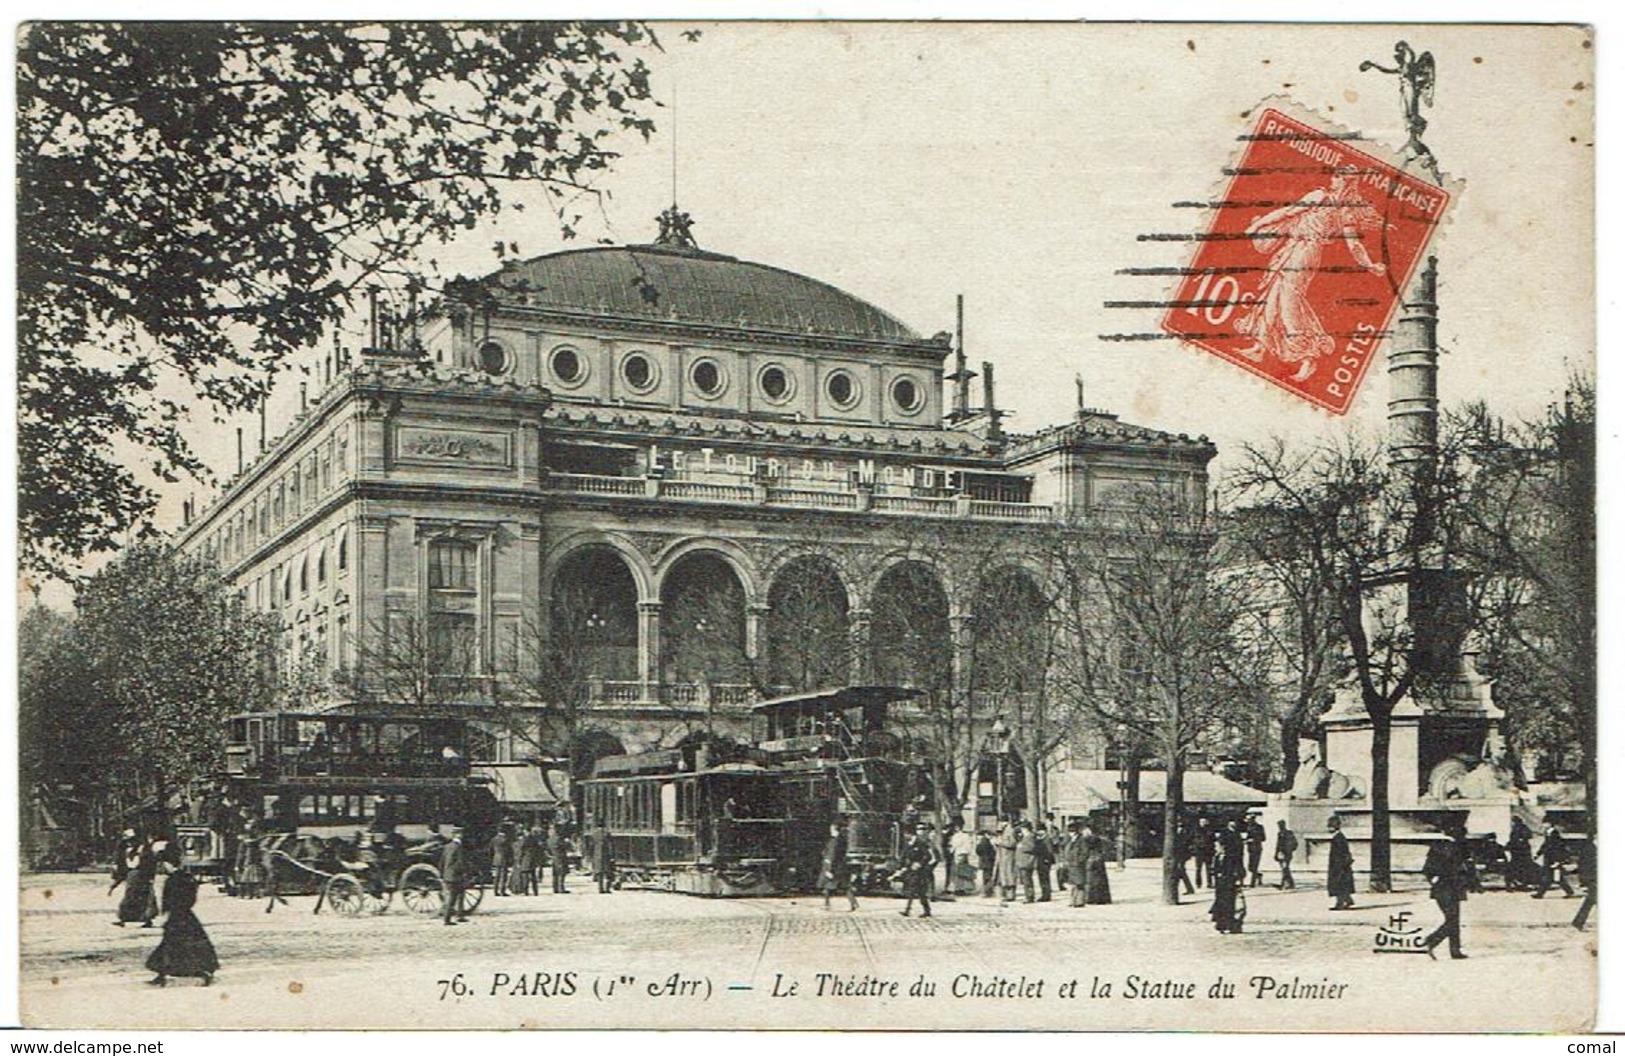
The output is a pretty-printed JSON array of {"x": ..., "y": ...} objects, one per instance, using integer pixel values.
[
  {"x": 649, "y": 648},
  {"x": 858, "y": 627},
  {"x": 1413, "y": 376},
  {"x": 962, "y": 631}
]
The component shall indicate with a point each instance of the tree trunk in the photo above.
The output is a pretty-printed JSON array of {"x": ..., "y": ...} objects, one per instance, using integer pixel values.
[
  {"x": 1032, "y": 779},
  {"x": 1173, "y": 804},
  {"x": 1289, "y": 749},
  {"x": 1380, "y": 878},
  {"x": 1129, "y": 845}
]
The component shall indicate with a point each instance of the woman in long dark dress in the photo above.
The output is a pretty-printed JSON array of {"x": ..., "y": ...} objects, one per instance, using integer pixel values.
[
  {"x": 137, "y": 870},
  {"x": 186, "y": 950},
  {"x": 1227, "y": 876},
  {"x": 1097, "y": 887}
]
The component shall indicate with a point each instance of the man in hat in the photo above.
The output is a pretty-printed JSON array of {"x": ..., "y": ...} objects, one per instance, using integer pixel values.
[
  {"x": 917, "y": 862},
  {"x": 1026, "y": 859},
  {"x": 454, "y": 877},
  {"x": 1255, "y": 836},
  {"x": 1552, "y": 856},
  {"x": 1449, "y": 872},
  {"x": 836, "y": 874},
  {"x": 1339, "y": 867}
]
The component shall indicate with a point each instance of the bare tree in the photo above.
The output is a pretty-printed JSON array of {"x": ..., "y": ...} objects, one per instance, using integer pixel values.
[
  {"x": 1147, "y": 625},
  {"x": 417, "y": 664}
]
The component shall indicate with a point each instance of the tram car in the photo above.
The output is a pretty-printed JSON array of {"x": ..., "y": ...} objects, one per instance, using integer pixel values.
[
  {"x": 311, "y": 791},
  {"x": 753, "y": 821}
]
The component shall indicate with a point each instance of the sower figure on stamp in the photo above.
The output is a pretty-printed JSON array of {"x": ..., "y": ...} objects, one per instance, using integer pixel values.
[
  {"x": 1450, "y": 876},
  {"x": 1286, "y": 845},
  {"x": 918, "y": 860},
  {"x": 1339, "y": 867},
  {"x": 454, "y": 878},
  {"x": 836, "y": 875}
]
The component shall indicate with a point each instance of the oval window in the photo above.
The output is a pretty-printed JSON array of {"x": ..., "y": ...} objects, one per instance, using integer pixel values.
[
  {"x": 775, "y": 383},
  {"x": 906, "y": 394},
  {"x": 707, "y": 377},
  {"x": 567, "y": 366},
  {"x": 842, "y": 389},
  {"x": 638, "y": 372},
  {"x": 493, "y": 358}
]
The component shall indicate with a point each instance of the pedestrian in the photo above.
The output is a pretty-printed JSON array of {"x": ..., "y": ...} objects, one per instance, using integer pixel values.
[
  {"x": 185, "y": 951},
  {"x": 1097, "y": 886},
  {"x": 1026, "y": 860},
  {"x": 454, "y": 878},
  {"x": 1005, "y": 867},
  {"x": 986, "y": 857},
  {"x": 1552, "y": 858},
  {"x": 1074, "y": 860},
  {"x": 1182, "y": 856},
  {"x": 534, "y": 848},
  {"x": 916, "y": 872},
  {"x": 836, "y": 873},
  {"x": 603, "y": 859},
  {"x": 1256, "y": 836},
  {"x": 500, "y": 863},
  {"x": 1202, "y": 850},
  {"x": 1227, "y": 875},
  {"x": 1339, "y": 867},
  {"x": 1520, "y": 857},
  {"x": 1588, "y": 878},
  {"x": 961, "y": 873},
  {"x": 558, "y": 853},
  {"x": 1286, "y": 845},
  {"x": 1449, "y": 870},
  {"x": 1043, "y": 860},
  {"x": 137, "y": 869}
]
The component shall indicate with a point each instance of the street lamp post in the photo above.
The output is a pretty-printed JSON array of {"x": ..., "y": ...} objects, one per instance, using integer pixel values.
[
  {"x": 1000, "y": 735},
  {"x": 1122, "y": 796}
]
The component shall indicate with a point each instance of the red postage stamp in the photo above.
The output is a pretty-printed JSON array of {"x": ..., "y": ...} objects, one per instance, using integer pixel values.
[{"x": 1308, "y": 255}]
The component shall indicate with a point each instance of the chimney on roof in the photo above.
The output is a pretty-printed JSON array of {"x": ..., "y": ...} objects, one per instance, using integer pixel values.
[
  {"x": 239, "y": 449},
  {"x": 988, "y": 405},
  {"x": 961, "y": 375}
]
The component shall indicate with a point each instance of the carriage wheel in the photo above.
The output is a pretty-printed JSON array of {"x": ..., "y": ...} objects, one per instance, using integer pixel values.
[
  {"x": 345, "y": 895},
  {"x": 473, "y": 897},
  {"x": 420, "y": 889}
]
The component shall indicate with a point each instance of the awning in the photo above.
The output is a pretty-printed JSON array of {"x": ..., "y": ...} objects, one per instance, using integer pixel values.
[
  {"x": 523, "y": 785},
  {"x": 1076, "y": 792}
]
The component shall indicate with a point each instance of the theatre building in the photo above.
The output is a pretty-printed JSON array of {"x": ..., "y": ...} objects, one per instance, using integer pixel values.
[{"x": 614, "y": 495}]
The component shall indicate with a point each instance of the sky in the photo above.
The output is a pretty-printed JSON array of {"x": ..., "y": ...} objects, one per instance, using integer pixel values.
[{"x": 1016, "y": 164}]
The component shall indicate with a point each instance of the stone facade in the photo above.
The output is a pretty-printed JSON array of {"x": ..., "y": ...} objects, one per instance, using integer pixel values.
[{"x": 720, "y": 475}]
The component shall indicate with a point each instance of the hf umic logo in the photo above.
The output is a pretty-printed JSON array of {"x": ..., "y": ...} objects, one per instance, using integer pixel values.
[{"x": 1397, "y": 936}]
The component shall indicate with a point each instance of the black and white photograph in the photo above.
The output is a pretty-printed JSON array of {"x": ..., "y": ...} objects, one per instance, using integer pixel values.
[{"x": 826, "y": 525}]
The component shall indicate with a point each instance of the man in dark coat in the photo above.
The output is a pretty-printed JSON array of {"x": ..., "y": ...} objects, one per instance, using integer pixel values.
[
  {"x": 558, "y": 853},
  {"x": 1202, "y": 849},
  {"x": 1286, "y": 845},
  {"x": 1255, "y": 850},
  {"x": 603, "y": 859},
  {"x": 1339, "y": 867},
  {"x": 1043, "y": 859},
  {"x": 1520, "y": 857},
  {"x": 986, "y": 856},
  {"x": 454, "y": 878},
  {"x": 1005, "y": 863},
  {"x": 1552, "y": 857},
  {"x": 1075, "y": 858},
  {"x": 835, "y": 874},
  {"x": 1182, "y": 856},
  {"x": 1448, "y": 869},
  {"x": 1097, "y": 851},
  {"x": 918, "y": 860}
]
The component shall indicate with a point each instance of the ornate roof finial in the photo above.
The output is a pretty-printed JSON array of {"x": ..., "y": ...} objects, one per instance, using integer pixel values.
[{"x": 676, "y": 229}]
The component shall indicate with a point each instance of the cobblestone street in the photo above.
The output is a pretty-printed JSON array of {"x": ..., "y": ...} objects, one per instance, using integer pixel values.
[{"x": 650, "y": 959}]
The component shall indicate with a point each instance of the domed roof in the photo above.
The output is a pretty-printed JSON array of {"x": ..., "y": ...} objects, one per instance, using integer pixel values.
[{"x": 663, "y": 283}]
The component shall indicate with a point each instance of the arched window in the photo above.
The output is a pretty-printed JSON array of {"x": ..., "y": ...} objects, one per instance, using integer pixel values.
[
  {"x": 304, "y": 575},
  {"x": 321, "y": 566},
  {"x": 344, "y": 550}
]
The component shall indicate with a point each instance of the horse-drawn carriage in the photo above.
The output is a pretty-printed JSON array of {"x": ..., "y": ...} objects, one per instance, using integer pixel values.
[{"x": 352, "y": 809}]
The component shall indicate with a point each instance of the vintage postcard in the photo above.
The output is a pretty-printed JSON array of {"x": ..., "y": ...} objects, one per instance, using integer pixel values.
[{"x": 833, "y": 525}]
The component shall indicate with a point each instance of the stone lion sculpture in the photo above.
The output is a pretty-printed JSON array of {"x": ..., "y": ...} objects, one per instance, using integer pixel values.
[
  {"x": 1464, "y": 776},
  {"x": 1315, "y": 781}
]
